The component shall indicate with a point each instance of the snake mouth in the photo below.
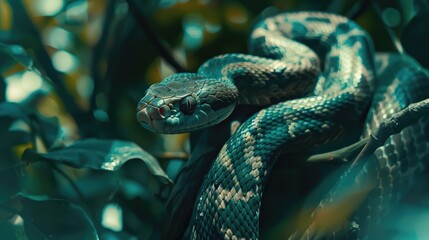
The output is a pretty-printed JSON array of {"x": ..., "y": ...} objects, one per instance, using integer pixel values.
[
  {"x": 144, "y": 118},
  {"x": 151, "y": 116}
]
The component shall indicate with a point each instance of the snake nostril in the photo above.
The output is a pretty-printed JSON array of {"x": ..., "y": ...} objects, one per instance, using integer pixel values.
[
  {"x": 164, "y": 111},
  {"x": 158, "y": 113}
]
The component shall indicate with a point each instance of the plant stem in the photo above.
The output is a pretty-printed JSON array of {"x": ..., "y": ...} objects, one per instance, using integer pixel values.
[
  {"x": 98, "y": 51},
  {"x": 156, "y": 41},
  {"x": 395, "y": 40},
  {"x": 358, "y": 9},
  {"x": 389, "y": 127},
  {"x": 2, "y": 89}
]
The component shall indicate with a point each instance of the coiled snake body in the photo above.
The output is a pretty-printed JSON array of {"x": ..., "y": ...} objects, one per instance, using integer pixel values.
[
  {"x": 284, "y": 68},
  {"x": 386, "y": 178}
]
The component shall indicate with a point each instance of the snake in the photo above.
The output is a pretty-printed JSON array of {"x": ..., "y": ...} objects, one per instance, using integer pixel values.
[
  {"x": 313, "y": 72},
  {"x": 395, "y": 166}
]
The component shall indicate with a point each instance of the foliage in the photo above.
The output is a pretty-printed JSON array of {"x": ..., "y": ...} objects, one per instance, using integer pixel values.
[{"x": 71, "y": 73}]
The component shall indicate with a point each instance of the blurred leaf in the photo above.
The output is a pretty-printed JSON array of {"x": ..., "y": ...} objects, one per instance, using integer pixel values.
[
  {"x": 47, "y": 128},
  {"x": 56, "y": 219},
  {"x": 12, "y": 111},
  {"x": 14, "y": 132},
  {"x": 8, "y": 231},
  {"x": 101, "y": 155},
  {"x": 416, "y": 33},
  {"x": 12, "y": 175},
  {"x": 17, "y": 131},
  {"x": 13, "y": 58},
  {"x": 92, "y": 185},
  {"x": 14, "y": 126}
]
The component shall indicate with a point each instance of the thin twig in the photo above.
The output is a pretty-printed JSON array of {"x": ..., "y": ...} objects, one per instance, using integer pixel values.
[
  {"x": 91, "y": 214},
  {"x": 98, "y": 51},
  {"x": 389, "y": 127},
  {"x": 395, "y": 40},
  {"x": 358, "y": 8},
  {"x": 43, "y": 58},
  {"x": 2, "y": 89},
  {"x": 154, "y": 38},
  {"x": 340, "y": 155}
]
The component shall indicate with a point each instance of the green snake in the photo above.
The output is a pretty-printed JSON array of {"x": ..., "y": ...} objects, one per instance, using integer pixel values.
[
  {"x": 395, "y": 167},
  {"x": 287, "y": 52}
]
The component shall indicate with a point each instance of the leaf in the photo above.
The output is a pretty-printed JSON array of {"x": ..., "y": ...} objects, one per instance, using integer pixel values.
[
  {"x": 56, "y": 219},
  {"x": 8, "y": 230},
  {"x": 416, "y": 33},
  {"x": 47, "y": 128},
  {"x": 10, "y": 176},
  {"x": 14, "y": 126},
  {"x": 100, "y": 154},
  {"x": 13, "y": 58},
  {"x": 12, "y": 110},
  {"x": 14, "y": 132},
  {"x": 92, "y": 185}
]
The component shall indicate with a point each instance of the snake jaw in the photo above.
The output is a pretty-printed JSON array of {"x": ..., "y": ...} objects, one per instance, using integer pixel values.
[{"x": 152, "y": 112}]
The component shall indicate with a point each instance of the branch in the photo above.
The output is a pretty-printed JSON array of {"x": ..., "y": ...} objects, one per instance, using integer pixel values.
[
  {"x": 358, "y": 9},
  {"x": 156, "y": 41},
  {"x": 98, "y": 51},
  {"x": 389, "y": 30},
  {"x": 340, "y": 155},
  {"x": 387, "y": 128},
  {"x": 2, "y": 89}
]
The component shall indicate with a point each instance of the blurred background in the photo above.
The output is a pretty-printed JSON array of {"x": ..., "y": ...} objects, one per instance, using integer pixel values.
[{"x": 88, "y": 62}]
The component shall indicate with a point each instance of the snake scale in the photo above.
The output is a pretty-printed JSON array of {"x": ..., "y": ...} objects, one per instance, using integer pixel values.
[
  {"x": 325, "y": 59},
  {"x": 394, "y": 168}
]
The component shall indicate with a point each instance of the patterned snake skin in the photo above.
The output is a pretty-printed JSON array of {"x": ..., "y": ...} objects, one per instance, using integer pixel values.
[
  {"x": 395, "y": 167},
  {"x": 230, "y": 197}
]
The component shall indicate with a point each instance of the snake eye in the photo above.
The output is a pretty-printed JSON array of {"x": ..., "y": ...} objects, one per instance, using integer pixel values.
[{"x": 188, "y": 104}]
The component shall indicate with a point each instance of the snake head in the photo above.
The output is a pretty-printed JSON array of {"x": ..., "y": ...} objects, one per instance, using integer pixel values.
[{"x": 186, "y": 102}]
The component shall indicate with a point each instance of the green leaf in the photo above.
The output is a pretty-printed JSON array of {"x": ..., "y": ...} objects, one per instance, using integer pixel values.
[
  {"x": 14, "y": 126},
  {"x": 416, "y": 34},
  {"x": 100, "y": 154},
  {"x": 47, "y": 128},
  {"x": 56, "y": 219},
  {"x": 14, "y": 131},
  {"x": 10, "y": 178},
  {"x": 9, "y": 231},
  {"x": 13, "y": 111}
]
